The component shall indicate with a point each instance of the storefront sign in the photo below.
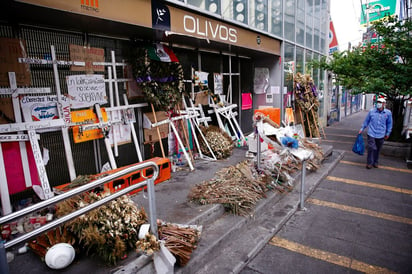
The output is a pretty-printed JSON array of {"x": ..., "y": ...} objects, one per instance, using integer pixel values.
[
  {"x": 182, "y": 22},
  {"x": 376, "y": 10},
  {"x": 202, "y": 27},
  {"x": 128, "y": 11}
]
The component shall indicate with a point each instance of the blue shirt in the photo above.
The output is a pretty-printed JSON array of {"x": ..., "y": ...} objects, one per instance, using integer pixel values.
[{"x": 379, "y": 122}]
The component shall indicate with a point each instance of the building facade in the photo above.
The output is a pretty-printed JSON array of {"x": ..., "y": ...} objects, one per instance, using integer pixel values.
[{"x": 244, "y": 42}]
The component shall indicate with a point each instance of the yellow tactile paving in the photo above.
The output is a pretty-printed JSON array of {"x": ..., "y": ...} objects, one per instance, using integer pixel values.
[
  {"x": 367, "y": 184},
  {"x": 329, "y": 257}
]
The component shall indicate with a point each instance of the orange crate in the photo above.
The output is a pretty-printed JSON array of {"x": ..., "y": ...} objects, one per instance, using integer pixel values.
[
  {"x": 164, "y": 173},
  {"x": 133, "y": 177}
]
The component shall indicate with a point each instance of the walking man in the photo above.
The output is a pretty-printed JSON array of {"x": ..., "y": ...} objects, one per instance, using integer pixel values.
[{"x": 379, "y": 121}]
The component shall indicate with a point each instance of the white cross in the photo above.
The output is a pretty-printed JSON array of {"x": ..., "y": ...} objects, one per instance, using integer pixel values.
[
  {"x": 61, "y": 112},
  {"x": 15, "y": 92}
]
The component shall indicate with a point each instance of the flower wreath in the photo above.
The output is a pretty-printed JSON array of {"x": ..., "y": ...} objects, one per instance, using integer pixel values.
[
  {"x": 161, "y": 82},
  {"x": 305, "y": 93}
]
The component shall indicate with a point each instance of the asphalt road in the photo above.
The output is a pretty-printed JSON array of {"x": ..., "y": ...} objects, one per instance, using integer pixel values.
[{"x": 356, "y": 221}]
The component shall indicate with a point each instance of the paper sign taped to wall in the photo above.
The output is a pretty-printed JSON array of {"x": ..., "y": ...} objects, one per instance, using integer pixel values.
[{"x": 246, "y": 101}]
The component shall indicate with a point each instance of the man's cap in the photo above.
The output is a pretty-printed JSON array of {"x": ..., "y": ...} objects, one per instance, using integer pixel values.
[{"x": 382, "y": 100}]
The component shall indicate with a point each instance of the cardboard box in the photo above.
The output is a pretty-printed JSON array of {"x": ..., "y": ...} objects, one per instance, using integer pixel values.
[{"x": 150, "y": 135}]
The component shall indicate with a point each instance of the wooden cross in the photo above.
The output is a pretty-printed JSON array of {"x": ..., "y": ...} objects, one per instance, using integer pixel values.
[
  {"x": 64, "y": 114},
  {"x": 15, "y": 92}
]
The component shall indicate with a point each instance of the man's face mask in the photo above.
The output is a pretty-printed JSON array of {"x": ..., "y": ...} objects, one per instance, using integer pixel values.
[{"x": 379, "y": 105}]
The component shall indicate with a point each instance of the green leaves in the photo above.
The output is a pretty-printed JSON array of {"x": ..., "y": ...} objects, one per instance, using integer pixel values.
[{"x": 384, "y": 66}]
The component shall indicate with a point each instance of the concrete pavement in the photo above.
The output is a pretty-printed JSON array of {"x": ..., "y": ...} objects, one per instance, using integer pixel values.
[{"x": 356, "y": 221}]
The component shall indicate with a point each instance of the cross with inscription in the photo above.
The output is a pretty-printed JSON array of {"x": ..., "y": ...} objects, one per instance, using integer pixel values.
[{"x": 63, "y": 113}]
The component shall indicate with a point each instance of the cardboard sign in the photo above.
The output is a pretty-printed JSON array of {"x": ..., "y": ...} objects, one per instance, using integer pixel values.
[
  {"x": 6, "y": 111},
  {"x": 87, "y": 55},
  {"x": 150, "y": 135},
  {"x": 10, "y": 50},
  {"x": 202, "y": 98},
  {"x": 86, "y": 90},
  {"x": 83, "y": 117}
]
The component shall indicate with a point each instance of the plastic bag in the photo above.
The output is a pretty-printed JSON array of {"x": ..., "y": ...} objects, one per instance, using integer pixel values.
[{"x": 359, "y": 145}]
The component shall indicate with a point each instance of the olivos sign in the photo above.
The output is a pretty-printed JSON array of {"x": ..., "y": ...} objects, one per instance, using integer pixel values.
[
  {"x": 167, "y": 18},
  {"x": 183, "y": 22}
]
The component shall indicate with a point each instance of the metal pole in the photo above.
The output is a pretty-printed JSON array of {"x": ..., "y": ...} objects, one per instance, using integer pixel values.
[
  {"x": 152, "y": 207},
  {"x": 4, "y": 266},
  {"x": 259, "y": 126},
  {"x": 302, "y": 186}
]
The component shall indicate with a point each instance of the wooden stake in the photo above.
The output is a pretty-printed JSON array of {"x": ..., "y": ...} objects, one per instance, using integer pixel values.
[
  {"x": 185, "y": 135},
  {"x": 158, "y": 132},
  {"x": 315, "y": 123},
  {"x": 302, "y": 122},
  {"x": 310, "y": 131}
]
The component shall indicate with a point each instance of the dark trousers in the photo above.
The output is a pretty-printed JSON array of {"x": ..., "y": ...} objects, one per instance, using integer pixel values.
[{"x": 374, "y": 147}]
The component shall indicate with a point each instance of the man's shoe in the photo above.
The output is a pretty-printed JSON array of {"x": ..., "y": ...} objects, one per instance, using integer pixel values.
[
  {"x": 368, "y": 166},
  {"x": 375, "y": 165}
]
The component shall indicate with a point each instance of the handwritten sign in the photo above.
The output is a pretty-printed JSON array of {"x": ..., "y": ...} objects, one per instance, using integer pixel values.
[
  {"x": 88, "y": 55},
  {"x": 84, "y": 117},
  {"x": 86, "y": 90},
  {"x": 10, "y": 50},
  {"x": 40, "y": 108}
]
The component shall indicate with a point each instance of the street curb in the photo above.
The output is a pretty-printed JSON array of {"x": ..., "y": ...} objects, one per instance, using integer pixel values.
[{"x": 286, "y": 204}]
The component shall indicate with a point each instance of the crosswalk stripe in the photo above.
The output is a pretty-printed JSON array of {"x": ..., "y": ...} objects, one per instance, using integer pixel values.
[
  {"x": 329, "y": 257},
  {"x": 367, "y": 184},
  {"x": 362, "y": 211},
  {"x": 382, "y": 167}
]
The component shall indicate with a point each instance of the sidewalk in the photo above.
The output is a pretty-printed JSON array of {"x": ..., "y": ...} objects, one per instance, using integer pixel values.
[{"x": 233, "y": 238}]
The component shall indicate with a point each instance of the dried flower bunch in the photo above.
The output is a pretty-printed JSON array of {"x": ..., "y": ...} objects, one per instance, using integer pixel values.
[
  {"x": 305, "y": 92},
  {"x": 149, "y": 244},
  {"x": 236, "y": 187},
  {"x": 219, "y": 141},
  {"x": 179, "y": 240},
  {"x": 306, "y": 100},
  {"x": 108, "y": 231}
]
